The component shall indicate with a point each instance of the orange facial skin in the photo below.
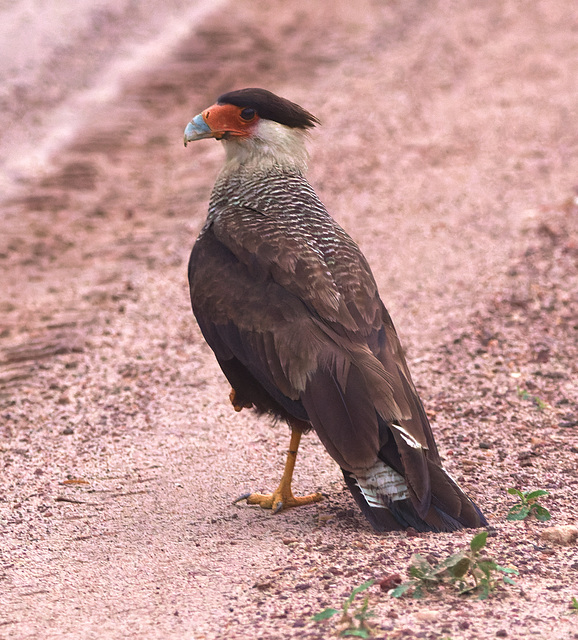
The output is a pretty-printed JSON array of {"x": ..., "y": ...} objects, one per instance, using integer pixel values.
[{"x": 225, "y": 120}]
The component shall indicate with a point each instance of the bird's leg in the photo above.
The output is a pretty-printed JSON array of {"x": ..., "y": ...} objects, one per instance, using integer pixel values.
[{"x": 282, "y": 497}]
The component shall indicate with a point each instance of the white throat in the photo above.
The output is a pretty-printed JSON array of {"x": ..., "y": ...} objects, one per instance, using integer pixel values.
[{"x": 271, "y": 145}]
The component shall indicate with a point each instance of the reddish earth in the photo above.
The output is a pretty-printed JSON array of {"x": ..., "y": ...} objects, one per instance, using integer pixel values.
[{"x": 449, "y": 150}]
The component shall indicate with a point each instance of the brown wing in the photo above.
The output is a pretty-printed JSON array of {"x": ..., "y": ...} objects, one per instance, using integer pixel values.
[{"x": 308, "y": 327}]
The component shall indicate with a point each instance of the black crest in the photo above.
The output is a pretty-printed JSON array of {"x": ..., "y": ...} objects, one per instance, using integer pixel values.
[{"x": 270, "y": 107}]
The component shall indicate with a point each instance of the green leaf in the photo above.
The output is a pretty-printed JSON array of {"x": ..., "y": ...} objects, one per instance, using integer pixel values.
[
  {"x": 515, "y": 492},
  {"x": 358, "y": 633},
  {"x": 451, "y": 561},
  {"x": 518, "y": 512},
  {"x": 357, "y": 590},
  {"x": 418, "y": 593},
  {"x": 487, "y": 566},
  {"x": 574, "y": 604},
  {"x": 538, "y": 493},
  {"x": 325, "y": 614},
  {"x": 419, "y": 566},
  {"x": 479, "y": 541},
  {"x": 541, "y": 513},
  {"x": 361, "y": 587},
  {"x": 460, "y": 569},
  {"x": 509, "y": 580},
  {"x": 401, "y": 589},
  {"x": 507, "y": 570}
]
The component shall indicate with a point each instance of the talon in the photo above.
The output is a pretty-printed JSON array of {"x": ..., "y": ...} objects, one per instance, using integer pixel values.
[{"x": 280, "y": 500}]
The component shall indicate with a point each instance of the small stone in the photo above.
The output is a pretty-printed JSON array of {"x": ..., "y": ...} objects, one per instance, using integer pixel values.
[
  {"x": 502, "y": 633},
  {"x": 565, "y": 535},
  {"x": 391, "y": 581},
  {"x": 427, "y": 615},
  {"x": 263, "y": 586}
]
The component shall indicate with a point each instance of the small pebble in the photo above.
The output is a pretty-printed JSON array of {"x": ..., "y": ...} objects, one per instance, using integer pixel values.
[
  {"x": 565, "y": 535},
  {"x": 390, "y": 581},
  {"x": 427, "y": 615}
]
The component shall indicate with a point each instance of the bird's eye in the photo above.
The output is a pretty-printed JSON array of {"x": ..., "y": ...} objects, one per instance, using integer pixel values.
[{"x": 248, "y": 114}]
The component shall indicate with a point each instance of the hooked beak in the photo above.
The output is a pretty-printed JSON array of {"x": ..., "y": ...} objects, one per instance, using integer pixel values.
[{"x": 197, "y": 129}]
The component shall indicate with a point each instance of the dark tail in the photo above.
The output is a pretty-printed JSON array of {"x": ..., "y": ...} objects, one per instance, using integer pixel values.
[{"x": 450, "y": 508}]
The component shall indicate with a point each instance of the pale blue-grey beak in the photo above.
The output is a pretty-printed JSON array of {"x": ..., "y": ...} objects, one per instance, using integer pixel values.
[{"x": 197, "y": 129}]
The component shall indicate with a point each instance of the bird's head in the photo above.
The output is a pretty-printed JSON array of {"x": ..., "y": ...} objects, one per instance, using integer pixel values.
[{"x": 256, "y": 126}]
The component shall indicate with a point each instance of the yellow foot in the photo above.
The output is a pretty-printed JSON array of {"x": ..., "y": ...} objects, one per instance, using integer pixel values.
[
  {"x": 278, "y": 501},
  {"x": 282, "y": 497},
  {"x": 237, "y": 404}
]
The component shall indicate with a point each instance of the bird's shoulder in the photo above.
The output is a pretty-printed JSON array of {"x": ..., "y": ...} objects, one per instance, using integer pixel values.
[{"x": 278, "y": 228}]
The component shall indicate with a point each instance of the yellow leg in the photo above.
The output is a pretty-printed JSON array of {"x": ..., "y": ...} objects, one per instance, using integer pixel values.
[{"x": 282, "y": 497}]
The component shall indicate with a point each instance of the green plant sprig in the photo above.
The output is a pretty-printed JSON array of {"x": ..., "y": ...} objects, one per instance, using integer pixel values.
[
  {"x": 356, "y": 624},
  {"x": 467, "y": 570},
  {"x": 528, "y": 505},
  {"x": 537, "y": 401}
]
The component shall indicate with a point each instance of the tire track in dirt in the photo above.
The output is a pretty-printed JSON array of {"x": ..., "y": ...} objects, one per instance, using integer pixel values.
[{"x": 76, "y": 59}]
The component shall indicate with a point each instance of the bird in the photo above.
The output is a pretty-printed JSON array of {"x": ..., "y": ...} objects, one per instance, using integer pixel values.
[{"x": 288, "y": 303}]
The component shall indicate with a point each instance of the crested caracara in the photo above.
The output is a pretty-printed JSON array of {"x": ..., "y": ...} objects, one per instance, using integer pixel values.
[{"x": 290, "y": 307}]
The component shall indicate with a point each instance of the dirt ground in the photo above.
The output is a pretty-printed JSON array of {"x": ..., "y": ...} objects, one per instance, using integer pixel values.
[{"x": 449, "y": 151}]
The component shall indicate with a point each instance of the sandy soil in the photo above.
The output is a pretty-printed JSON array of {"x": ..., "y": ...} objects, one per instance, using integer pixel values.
[{"x": 449, "y": 150}]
